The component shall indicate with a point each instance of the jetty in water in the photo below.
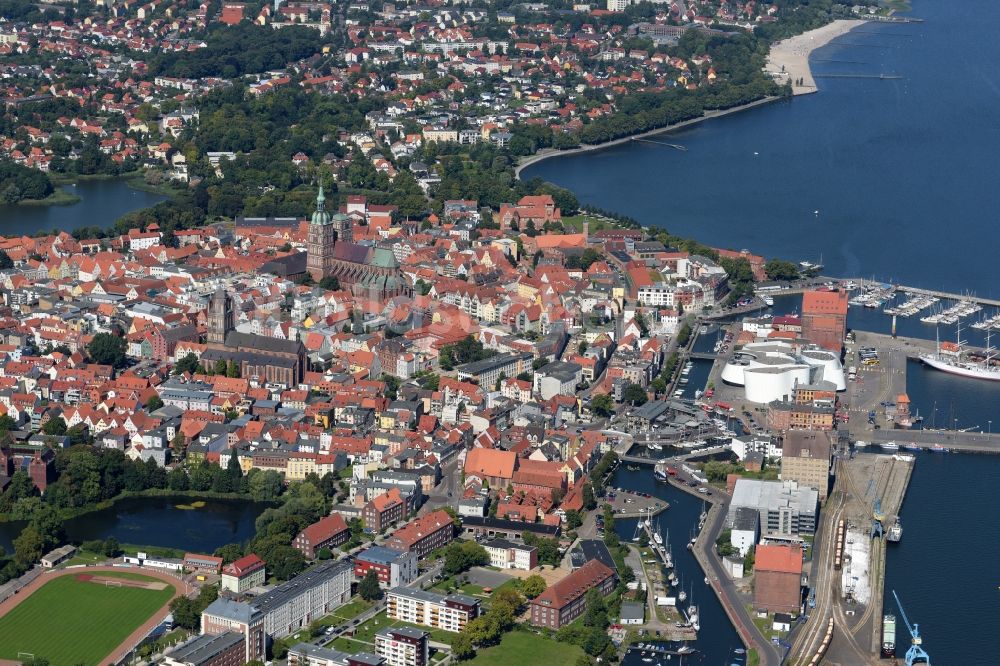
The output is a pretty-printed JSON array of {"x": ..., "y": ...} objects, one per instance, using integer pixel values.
[{"x": 676, "y": 146}]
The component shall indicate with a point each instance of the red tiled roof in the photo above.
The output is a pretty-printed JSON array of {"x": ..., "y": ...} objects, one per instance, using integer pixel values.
[
  {"x": 779, "y": 558},
  {"x": 575, "y": 585},
  {"x": 243, "y": 566},
  {"x": 325, "y": 528},
  {"x": 416, "y": 530}
]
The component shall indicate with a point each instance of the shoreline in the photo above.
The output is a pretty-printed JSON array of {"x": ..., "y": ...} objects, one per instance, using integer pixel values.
[
  {"x": 548, "y": 153},
  {"x": 788, "y": 59},
  {"x": 59, "y": 197},
  {"x": 790, "y": 55}
]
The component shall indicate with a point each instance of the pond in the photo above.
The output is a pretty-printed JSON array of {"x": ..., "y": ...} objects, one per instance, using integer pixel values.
[
  {"x": 101, "y": 203},
  {"x": 168, "y": 522}
]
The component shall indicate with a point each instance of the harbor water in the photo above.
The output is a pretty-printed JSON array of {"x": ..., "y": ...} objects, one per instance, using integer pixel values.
[
  {"x": 885, "y": 178},
  {"x": 717, "y": 638}
]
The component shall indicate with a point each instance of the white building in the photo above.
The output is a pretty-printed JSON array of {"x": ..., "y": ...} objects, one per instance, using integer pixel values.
[
  {"x": 660, "y": 295},
  {"x": 745, "y": 530},
  {"x": 557, "y": 378},
  {"x": 784, "y": 508},
  {"x": 438, "y": 611},
  {"x": 243, "y": 575},
  {"x": 770, "y": 447},
  {"x": 507, "y": 555},
  {"x": 403, "y": 646},
  {"x": 770, "y": 371}
]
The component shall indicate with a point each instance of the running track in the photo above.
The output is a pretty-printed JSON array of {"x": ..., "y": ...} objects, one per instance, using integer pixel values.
[{"x": 180, "y": 587}]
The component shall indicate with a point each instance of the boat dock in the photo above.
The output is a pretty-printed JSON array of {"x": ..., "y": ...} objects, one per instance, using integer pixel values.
[
  {"x": 887, "y": 289},
  {"x": 662, "y": 618},
  {"x": 878, "y": 387},
  {"x": 911, "y": 307}
]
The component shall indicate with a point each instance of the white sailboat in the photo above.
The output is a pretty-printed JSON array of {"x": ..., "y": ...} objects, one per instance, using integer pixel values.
[
  {"x": 692, "y": 613},
  {"x": 682, "y": 595}
]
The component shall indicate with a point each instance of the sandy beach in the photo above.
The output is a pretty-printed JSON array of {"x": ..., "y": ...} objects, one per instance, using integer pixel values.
[{"x": 791, "y": 56}]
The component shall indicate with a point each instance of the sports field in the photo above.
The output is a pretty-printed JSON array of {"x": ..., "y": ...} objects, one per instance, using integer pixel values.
[{"x": 82, "y": 618}]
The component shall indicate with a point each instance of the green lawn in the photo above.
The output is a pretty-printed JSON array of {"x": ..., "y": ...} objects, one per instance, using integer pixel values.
[
  {"x": 68, "y": 621},
  {"x": 575, "y": 223},
  {"x": 349, "y": 646},
  {"x": 471, "y": 589},
  {"x": 521, "y": 647},
  {"x": 348, "y": 611}
]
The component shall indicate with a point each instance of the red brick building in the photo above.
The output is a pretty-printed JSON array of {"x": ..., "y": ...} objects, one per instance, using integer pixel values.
[
  {"x": 199, "y": 563},
  {"x": 777, "y": 578},
  {"x": 37, "y": 461},
  {"x": 824, "y": 318},
  {"x": 328, "y": 532},
  {"x": 566, "y": 600},
  {"x": 383, "y": 510},
  {"x": 423, "y": 535}
]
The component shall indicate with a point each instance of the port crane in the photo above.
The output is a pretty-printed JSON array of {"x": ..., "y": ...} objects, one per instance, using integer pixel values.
[{"x": 916, "y": 654}]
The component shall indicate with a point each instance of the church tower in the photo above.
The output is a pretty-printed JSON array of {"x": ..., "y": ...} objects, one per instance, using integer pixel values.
[
  {"x": 322, "y": 238},
  {"x": 221, "y": 318}
]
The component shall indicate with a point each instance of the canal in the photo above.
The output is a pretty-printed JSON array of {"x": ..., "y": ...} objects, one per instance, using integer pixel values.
[
  {"x": 717, "y": 639},
  {"x": 160, "y": 521},
  {"x": 101, "y": 203}
]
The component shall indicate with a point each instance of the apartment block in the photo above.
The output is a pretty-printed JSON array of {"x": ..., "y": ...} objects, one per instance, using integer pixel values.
[
  {"x": 403, "y": 646},
  {"x": 451, "y": 612}
]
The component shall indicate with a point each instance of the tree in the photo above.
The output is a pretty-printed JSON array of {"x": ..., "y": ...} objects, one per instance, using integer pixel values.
[
  {"x": 369, "y": 588},
  {"x": 324, "y": 554},
  {"x": 232, "y": 370},
  {"x": 154, "y": 403},
  {"x": 28, "y": 546},
  {"x": 330, "y": 283},
  {"x": 189, "y": 363},
  {"x": 532, "y": 586},
  {"x": 461, "y": 556},
  {"x": 634, "y": 394},
  {"x": 573, "y": 519},
  {"x": 7, "y": 424},
  {"x": 777, "y": 269},
  {"x": 107, "y": 349},
  {"x": 230, "y": 552},
  {"x": 233, "y": 469},
  {"x": 748, "y": 560},
  {"x": 602, "y": 405},
  {"x": 597, "y": 612},
  {"x": 450, "y": 510},
  {"x": 589, "y": 501},
  {"x": 461, "y": 647},
  {"x": 55, "y": 427},
  {"x": 111, "y": 547}
]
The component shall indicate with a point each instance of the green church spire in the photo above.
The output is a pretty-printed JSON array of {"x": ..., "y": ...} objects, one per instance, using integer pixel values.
[{"x": 320, "y": 216}]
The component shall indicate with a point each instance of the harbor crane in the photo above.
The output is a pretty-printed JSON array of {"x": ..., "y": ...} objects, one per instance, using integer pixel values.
[
  {"x": 878, "y": 519},
  {"x": 916, "y": 654}
]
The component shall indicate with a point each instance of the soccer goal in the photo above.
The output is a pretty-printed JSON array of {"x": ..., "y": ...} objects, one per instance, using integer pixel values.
[{"x": 112, "y": 583}]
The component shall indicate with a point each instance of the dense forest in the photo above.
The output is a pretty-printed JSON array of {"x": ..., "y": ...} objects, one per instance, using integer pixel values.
[
  {"x": 236, "y": 50},
  {"x": 18, "y": 183}
]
